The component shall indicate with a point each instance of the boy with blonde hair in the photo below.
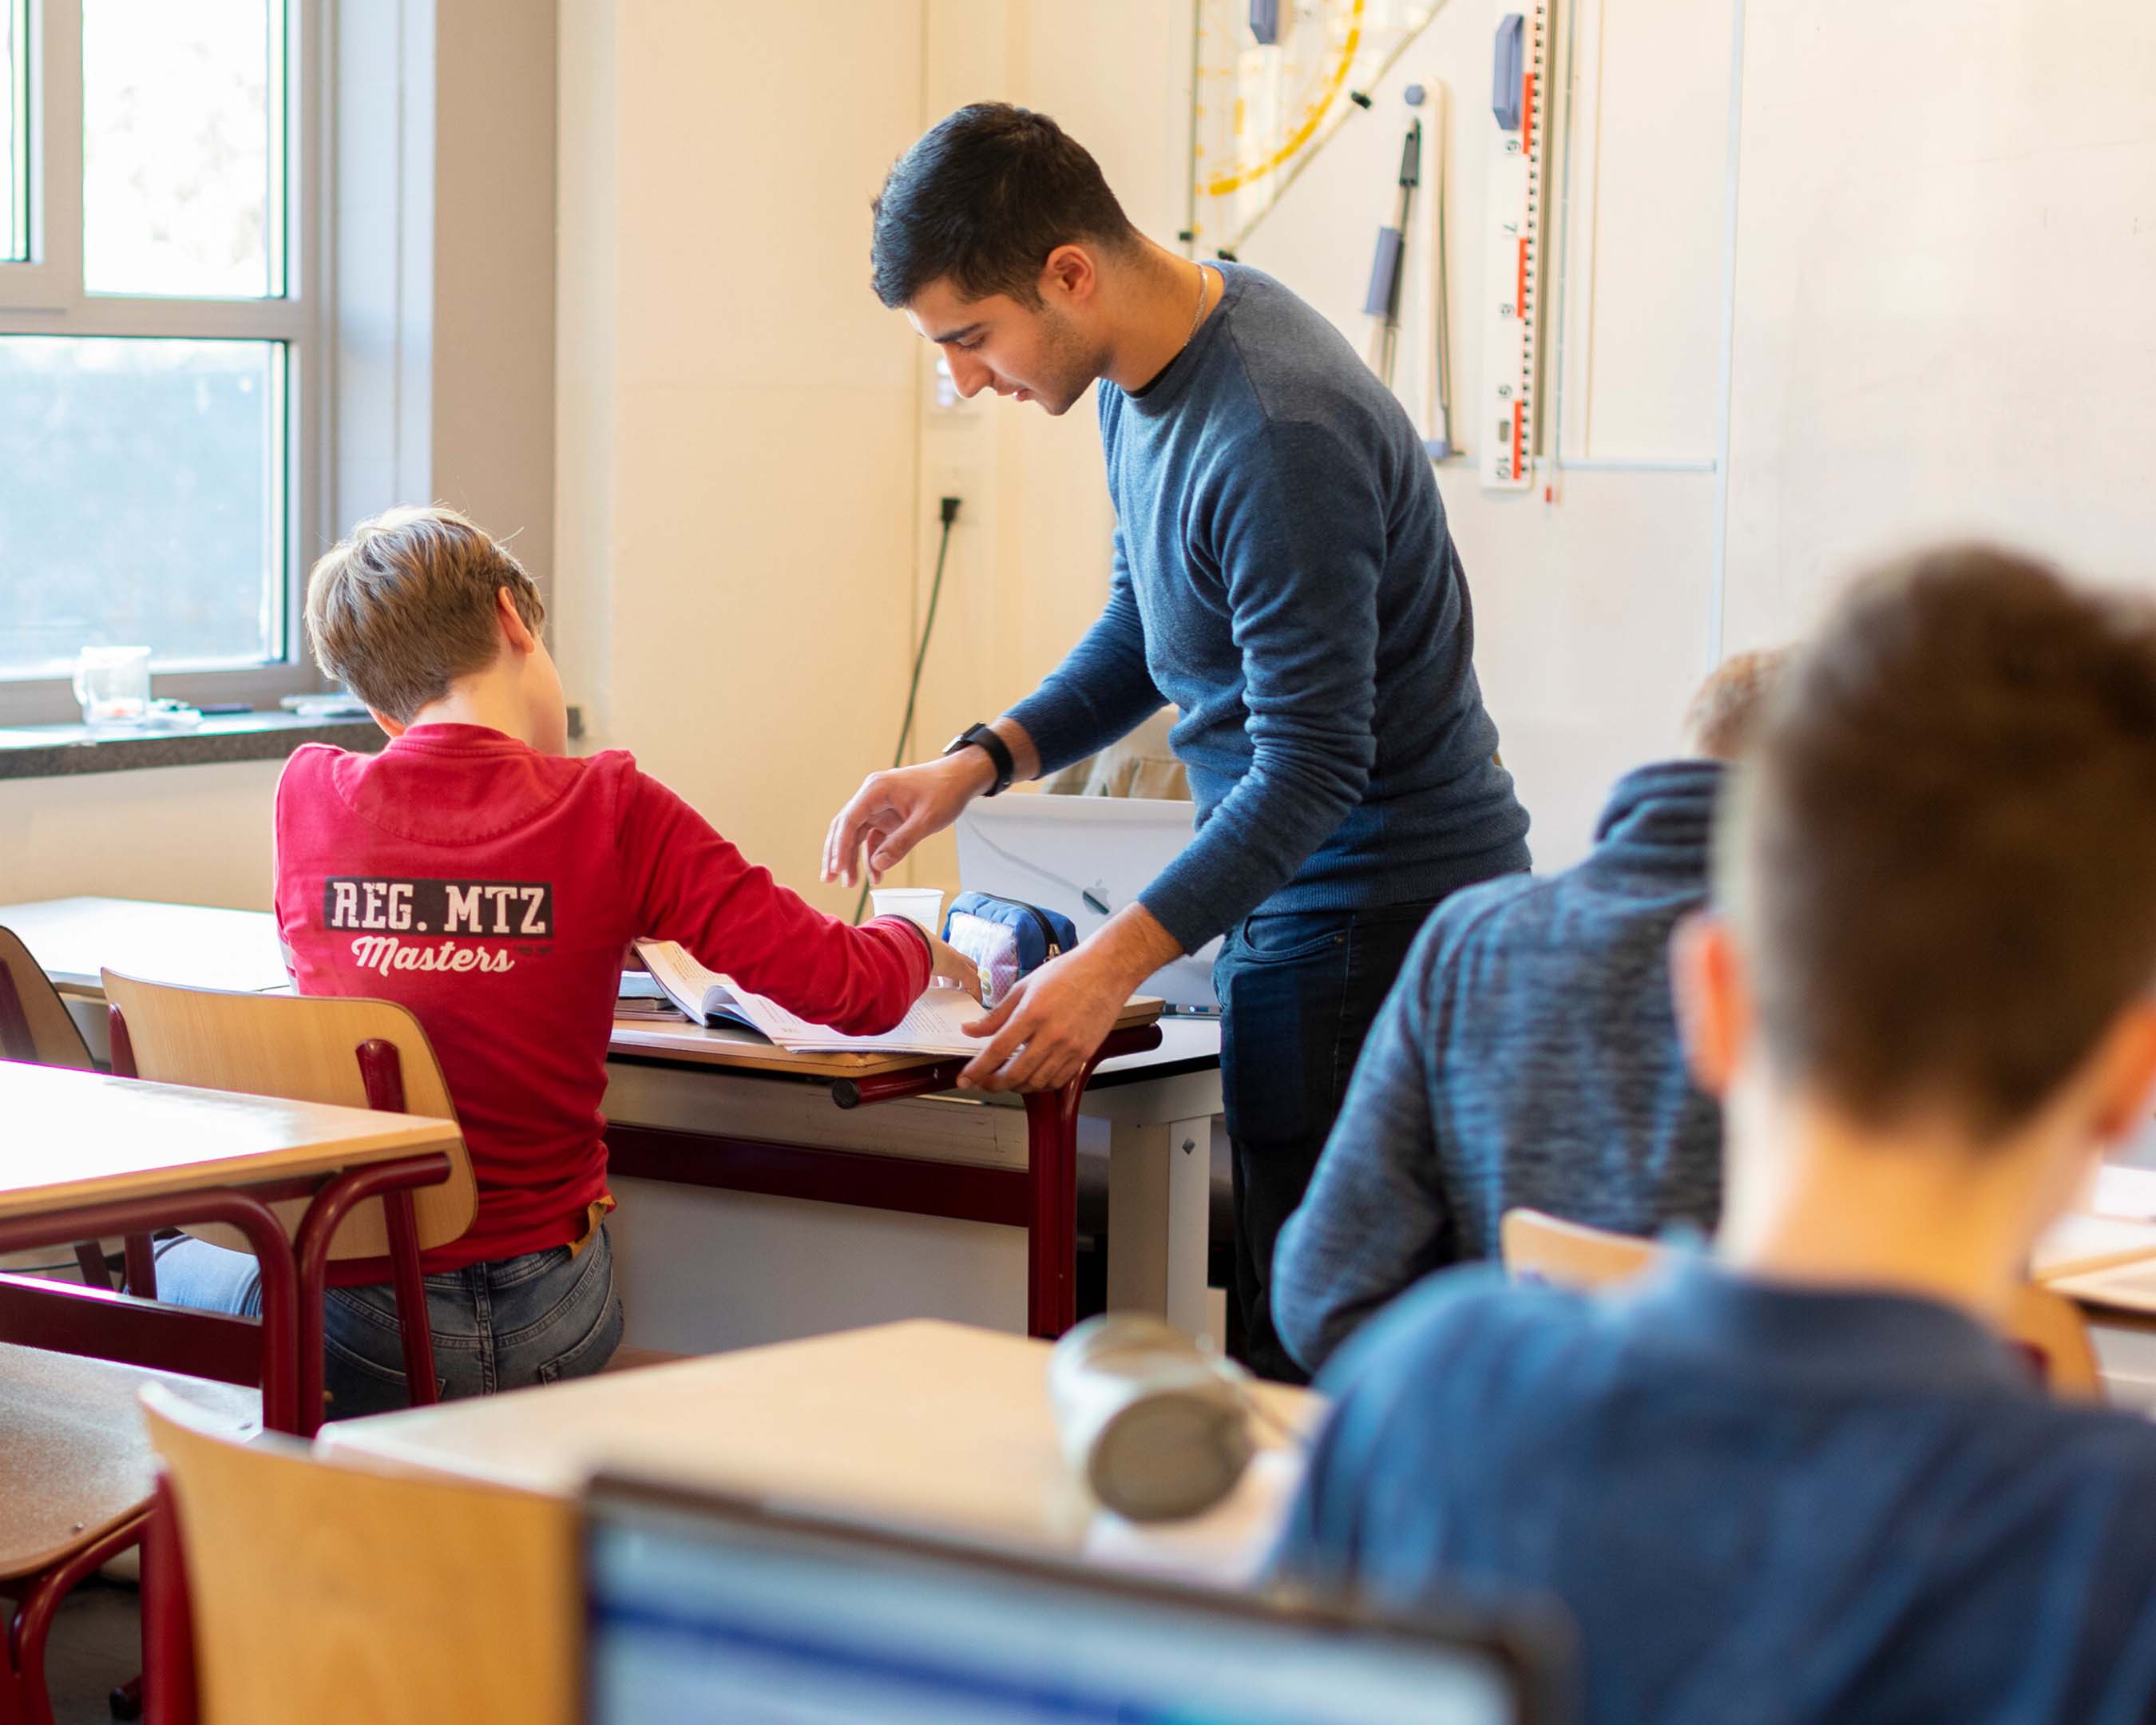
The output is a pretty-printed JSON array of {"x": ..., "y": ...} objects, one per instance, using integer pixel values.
[{"x": 477, "y": 874}]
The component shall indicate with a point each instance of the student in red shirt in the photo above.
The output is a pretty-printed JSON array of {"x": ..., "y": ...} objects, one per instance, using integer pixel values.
[{"x": 476, "y": 873}]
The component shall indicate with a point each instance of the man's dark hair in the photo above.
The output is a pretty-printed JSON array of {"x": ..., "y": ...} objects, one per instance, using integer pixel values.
[
  {"x": 983, "y": 199},
  {"x": 1942, "y": 866}
]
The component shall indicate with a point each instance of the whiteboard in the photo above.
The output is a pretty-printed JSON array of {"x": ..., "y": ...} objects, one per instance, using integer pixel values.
[{"x": 1945, "y": 306}]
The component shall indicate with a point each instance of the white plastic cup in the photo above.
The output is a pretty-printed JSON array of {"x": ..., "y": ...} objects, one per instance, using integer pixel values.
[
  {"x": 113, "y": 684},
  {"x": 920, "y": 905}
]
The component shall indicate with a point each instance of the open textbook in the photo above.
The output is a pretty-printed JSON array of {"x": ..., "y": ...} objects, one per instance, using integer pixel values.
[{"x": 929, "y": 1026}]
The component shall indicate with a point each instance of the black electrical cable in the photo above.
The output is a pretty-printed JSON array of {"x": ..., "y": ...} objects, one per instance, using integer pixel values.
[{"x": 950, "y": 506}]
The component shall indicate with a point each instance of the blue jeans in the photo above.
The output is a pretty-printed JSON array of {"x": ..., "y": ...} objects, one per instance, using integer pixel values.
[
  {"x": 1299, "y": 991},
  {"x": 535, "y": 1319}
]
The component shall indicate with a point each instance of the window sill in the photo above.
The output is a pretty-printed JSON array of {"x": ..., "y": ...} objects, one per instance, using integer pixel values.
[{"x": 62, "y": 751}]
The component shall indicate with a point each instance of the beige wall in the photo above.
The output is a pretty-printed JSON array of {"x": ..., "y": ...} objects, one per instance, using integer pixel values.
[
  {"x": 1029, "y": 566},
  {"x": 200, "y": 835},
  {"x": 492, "y": 435},
  {"x": 735, "y": 453}
]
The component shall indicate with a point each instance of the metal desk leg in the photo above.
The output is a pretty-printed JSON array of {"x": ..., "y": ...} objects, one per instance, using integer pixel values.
[
  {"x": 311, "y": 1249},
  {"x": 1160, "y": 1203},
  {"x": 1051, "y": 1246}
]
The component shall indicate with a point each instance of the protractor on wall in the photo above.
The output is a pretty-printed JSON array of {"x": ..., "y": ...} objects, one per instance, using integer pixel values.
[{"x": 1273, "y": 80}]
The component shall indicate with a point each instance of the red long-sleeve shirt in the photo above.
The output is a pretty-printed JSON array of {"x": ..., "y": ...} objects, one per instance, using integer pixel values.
[{"x": 491, "y": 889}]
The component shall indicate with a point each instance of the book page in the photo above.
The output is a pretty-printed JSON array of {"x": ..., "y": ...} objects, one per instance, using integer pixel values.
[
  {"x": 929, "y": 1026},
  {"x": 703, "y": 994}
]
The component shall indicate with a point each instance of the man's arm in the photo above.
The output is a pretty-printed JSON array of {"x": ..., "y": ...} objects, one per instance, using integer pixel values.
[
  {"x": 683, "y": 882},
  {"x": 1374, "y": 1221},
  {"x": 1299, "y": 538},
  {"x": 1300, "y": 543},
  {"x": 1101, "y": 690}
]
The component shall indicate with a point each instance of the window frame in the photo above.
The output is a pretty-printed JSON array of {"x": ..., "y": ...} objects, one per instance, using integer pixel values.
[{"x": 46, "y": 297}]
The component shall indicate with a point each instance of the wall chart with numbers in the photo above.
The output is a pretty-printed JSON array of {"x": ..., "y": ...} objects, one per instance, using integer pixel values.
[
  {"x": 1520, "y": 106},
  {"x": 1273, "y": 80}
]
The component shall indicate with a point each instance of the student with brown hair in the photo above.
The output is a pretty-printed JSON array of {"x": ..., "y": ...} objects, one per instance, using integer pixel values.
[
  {"x": 477, "y": 873},
  {"x": 1801, "y": 1479}
]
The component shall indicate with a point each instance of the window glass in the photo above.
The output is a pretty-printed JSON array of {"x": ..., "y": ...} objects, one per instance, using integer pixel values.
[
  {"x": 141, "y": 501},
  {"x": 182, "y": 151}
]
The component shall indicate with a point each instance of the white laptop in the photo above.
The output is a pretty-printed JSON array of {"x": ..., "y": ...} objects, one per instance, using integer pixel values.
[{"x": 1086, "y": 857}]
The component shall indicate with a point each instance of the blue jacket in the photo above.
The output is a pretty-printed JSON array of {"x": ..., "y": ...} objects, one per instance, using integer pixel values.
[{"x": 1528, "y": 1055}]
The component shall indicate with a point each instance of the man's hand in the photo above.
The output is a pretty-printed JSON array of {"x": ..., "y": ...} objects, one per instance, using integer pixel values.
[
  {"x": 1044, "y": 1031},
  {"x": 892, "y": 812}
]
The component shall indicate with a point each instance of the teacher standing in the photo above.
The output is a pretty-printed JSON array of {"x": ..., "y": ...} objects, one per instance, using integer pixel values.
[{"x": 1283, "y": 574}]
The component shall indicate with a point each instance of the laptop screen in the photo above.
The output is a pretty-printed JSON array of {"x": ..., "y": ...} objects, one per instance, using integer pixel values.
[
  {"x": 718, "y": 1611},
  {"x": 1086, "y": 857}
]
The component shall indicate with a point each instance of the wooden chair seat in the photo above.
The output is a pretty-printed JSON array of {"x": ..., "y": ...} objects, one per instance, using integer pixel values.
[{"x": 75, "y": 1459}]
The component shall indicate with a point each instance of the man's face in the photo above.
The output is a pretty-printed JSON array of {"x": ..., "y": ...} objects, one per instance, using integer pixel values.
[{"x": 1033, "y": 353}]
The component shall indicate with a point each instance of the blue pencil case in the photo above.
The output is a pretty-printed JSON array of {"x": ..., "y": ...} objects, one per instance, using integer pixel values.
[{"x": 1006, "y": 938}]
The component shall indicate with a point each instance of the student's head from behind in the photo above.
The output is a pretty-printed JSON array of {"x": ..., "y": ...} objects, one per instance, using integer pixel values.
[
  {"x": 417, "y": 607},
  {"x": 1937, "y": 884},
  {"x": 1724, "y": 710},
  {"x": 994, "y": 233}
]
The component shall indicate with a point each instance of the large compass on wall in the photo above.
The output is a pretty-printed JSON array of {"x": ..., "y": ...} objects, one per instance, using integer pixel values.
[{"x": 1272, "y": 80}]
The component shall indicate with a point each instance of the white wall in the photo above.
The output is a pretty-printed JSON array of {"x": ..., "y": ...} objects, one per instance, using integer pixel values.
[
  {"x": 735, "y": 468},
  {"x": 1943, "y": 294}
]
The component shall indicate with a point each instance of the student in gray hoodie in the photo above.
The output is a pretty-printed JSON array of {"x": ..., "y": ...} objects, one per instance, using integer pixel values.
[{"x": 1528, "y": 1055}]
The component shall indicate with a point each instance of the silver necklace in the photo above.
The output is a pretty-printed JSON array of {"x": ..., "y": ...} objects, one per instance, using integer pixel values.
[{"x": 1197, "y": 316}]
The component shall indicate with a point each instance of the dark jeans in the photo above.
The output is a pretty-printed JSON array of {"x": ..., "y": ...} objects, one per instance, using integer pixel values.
[
  {"x": 538, "y": 1318},
  {"x": 1299, "y": 991}
]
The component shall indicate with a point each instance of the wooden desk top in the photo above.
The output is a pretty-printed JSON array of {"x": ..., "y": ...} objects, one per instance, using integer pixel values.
[
  {"x": 77, "y": 1138},
  {"x": 727, "y": 1045},
  {"x": 925, "y": 1423},
  {"x": 73, "y": 939}
]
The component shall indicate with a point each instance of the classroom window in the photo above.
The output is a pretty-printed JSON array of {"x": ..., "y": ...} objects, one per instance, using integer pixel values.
[
  {"x": 159, "y": 342},
  {"x": 14, "y": 140}
]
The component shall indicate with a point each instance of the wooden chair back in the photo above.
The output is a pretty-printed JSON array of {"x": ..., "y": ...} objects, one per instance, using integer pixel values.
[
  {"x": 1569, "y": 1254},
  {"x": 322, "y": 1591},
  {"x": 34, "y": 1025},
  {"x": 305, "y": 1048},
  {"x": 2043, "y": 1324}
]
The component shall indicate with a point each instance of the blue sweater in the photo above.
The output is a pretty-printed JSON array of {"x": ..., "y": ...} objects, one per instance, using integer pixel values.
[
  {"x": 1760, "y": 1504},
  {"x": 1284, "y": 575},
  {"x": 1529, "y": 1055}
]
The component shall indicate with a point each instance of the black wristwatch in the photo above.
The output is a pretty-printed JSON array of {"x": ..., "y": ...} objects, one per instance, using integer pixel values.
[{"x": 980, "y": 736}]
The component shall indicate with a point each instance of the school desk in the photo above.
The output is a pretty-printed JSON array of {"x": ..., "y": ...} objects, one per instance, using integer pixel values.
[
  {"x": 85, "y": 1156},
  {"x": 698, "y": 1118},
  {"x": 929, "y": 1425}
]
